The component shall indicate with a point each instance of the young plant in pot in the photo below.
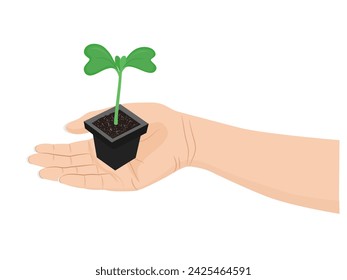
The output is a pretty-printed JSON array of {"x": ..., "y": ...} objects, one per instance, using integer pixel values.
[{"x": 117, "y": 131}]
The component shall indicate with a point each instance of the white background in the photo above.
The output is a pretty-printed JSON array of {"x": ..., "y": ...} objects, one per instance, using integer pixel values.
[{"x": 276, "y": 66}]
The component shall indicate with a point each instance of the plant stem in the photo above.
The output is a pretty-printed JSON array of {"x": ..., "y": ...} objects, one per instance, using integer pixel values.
[{"x": 116, "y": 109}]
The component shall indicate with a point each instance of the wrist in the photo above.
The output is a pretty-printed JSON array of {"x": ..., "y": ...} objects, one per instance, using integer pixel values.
[{"x": 189, "y": 139}]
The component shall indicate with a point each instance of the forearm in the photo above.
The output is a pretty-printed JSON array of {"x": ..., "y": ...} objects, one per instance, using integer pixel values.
[{"x": 298, "y": 170}]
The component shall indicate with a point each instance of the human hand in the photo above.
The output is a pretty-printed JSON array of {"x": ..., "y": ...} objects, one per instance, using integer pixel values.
[{"x": 167, "y": 146}]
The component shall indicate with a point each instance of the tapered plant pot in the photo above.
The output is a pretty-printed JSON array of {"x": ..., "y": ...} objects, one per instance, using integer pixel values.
[{"x": 116, "y": 145}]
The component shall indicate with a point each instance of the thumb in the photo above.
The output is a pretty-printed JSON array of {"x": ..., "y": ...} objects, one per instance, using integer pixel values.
[{"x": 77, "y": 126}]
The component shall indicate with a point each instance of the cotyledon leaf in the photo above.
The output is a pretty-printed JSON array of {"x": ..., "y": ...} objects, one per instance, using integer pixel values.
[
  {"x": 99, "y": 59},
  {"x": 140, "y": 58},
  {"x": 117, "y": 60},
  {"x": 123, "y": 61}
]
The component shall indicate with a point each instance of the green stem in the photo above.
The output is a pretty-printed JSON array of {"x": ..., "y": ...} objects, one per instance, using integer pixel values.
[{"x": 116, "y": 109}]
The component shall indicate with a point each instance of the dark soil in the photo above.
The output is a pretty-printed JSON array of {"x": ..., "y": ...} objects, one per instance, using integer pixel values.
[{"x": 106, "y": 124}]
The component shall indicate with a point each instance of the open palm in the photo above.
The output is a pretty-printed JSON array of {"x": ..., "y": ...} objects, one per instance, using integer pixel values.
[{"x": 162, "y": 150}]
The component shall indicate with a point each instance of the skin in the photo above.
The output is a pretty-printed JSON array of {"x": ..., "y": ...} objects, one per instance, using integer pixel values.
[
  {"x": 162, "y": 151},
  {"x": 298, "y": 170}
]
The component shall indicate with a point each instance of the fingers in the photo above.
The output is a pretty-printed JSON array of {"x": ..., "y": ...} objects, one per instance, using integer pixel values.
[
  {"x": 76, "y": 148},
  {"x": 47, "y": 160},
  {"x": 54, "y": 173},
  {"x": 63, "y": 155},
  {"x": 88, "y": 177},
  {"x": 75, "y": 164},
  {"x": 77, "y": 126}
]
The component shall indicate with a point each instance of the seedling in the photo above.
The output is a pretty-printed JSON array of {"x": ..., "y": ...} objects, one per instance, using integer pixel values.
[{"x": 100, "y": 59}]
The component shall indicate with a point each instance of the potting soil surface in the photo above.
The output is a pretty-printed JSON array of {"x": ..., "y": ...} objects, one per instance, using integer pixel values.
[{"x": 106, "y": 124}]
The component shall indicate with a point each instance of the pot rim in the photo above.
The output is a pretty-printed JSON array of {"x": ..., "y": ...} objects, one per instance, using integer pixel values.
[{"x": 140, "y": 129}]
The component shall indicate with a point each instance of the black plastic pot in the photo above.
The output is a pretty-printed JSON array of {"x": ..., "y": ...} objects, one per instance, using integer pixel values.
[{"x": 117, "y": 151}]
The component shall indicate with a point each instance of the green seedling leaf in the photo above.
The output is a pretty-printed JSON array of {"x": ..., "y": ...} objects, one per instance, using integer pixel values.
[
  {"x": 117, "y": 60},
  {"x": 123, "y": 61},
  {"x": 141, "y": 59},
  {"x": 99, "y": 59},
  {"x": 120, "y": 62}
]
